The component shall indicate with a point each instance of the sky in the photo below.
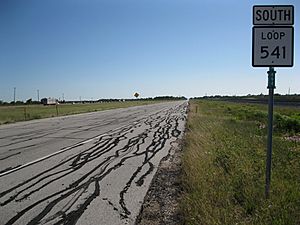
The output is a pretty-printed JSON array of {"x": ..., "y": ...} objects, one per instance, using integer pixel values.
[{"x": 92, "y": 49}]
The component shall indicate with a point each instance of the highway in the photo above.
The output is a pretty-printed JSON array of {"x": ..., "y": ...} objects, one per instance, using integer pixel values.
[{"x": 92, "y": 168}]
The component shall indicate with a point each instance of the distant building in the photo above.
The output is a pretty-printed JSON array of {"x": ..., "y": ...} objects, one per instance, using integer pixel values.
[{"x": 49, "y": 101}]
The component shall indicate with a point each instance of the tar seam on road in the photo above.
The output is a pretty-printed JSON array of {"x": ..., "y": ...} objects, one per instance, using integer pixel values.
[{"x": 97, "y": 159}]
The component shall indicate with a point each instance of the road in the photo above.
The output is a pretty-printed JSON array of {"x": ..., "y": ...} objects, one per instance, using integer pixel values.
[{"x": 92, "y": 168}]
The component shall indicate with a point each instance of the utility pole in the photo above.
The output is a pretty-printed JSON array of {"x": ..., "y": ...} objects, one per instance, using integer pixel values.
[
  {"x": 38, "y": 95},
  {"x": 14, "y": 94},
  {"x": 63, "y": 97}
]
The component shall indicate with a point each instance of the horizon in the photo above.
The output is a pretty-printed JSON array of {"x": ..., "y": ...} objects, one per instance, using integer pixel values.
[{"x": 159, "y": 97}]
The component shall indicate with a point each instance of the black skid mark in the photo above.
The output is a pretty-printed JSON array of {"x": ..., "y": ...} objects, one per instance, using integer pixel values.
[
  {"x": 62, "y": 212},
  {"x": 72, "y": 217},
  {"x": 114, "y": 207},
  {"x": 63, "y": 194},
  {"x": 125, "y": 189},
  {"x": 23, "y": 138},
  {"x": 163, "y": 135},
  {"x": 35, "y": 177},
  {"x": 9, "y": 156},
  {"x": 43, "y": 178},
  {"x": 21, "y": 148},
  {"x": 110, "y": 203},
  {"x": 175, "y": 132},
  {"x": 141, "y": 180},
  {"x": 105, "y": 145},
  {"x": 8, "y": 169},
  {"x": 41, "y": 187},
  {"x": 35, "y": 183},
  {"x": 156, "y": 146},
  {"x": 76, "y": 183},
  {"x": 100, "y": 148},
  {"x": 13, "y": 197}
]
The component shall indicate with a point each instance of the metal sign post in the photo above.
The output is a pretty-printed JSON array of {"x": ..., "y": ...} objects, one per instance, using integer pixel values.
[
  {"x": 271, "y": 87},
  {"x": 272, "y": 45}
]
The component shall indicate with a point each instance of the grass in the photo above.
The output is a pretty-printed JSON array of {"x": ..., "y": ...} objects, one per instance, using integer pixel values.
[
  {"x": 11, "y": 114},
  {"x": 224, "y": 165},
  {"x": 286, "y": 119}
]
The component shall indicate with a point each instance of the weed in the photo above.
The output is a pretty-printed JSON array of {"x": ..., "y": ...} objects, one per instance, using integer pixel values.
[{"x": 224, "y": 166}]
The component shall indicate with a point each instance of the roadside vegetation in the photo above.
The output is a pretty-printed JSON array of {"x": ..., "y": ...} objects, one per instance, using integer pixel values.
[
  {"x": 289, "y": 99},
  {"x": 224, "y": 165}
]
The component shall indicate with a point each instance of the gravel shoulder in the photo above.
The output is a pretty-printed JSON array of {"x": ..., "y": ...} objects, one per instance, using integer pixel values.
[{"x": 161, "y": 204}]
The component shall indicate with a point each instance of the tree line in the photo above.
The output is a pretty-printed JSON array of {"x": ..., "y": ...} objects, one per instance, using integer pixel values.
[{"x": 160, "y": 98}]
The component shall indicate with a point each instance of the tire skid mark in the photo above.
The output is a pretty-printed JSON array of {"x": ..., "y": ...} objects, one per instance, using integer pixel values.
[
  {"x": 29, "y": 136},
  {"x": 73, "y": 184},
  {"x": 24, "y": 138},
  {"x": 163, "y": 136},
  {"x": 37, "y": 161},
  {"x": 108, "y": 153},
  {"x": 69, "y": 171},
  {"x": 21, "y": 148},
  {"x": 73, "y": 216},
  {"x": 9, "y": 156},
  {"x": 111, "y": 204},
  {"x": 64, "y": 162},
  {"x": 140, "y": 181},
  {"x": 67, "y": 206},
  {"x": 9, "y": 168}
]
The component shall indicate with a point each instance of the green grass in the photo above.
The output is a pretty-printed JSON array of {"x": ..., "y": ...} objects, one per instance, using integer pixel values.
[
  {"x": 11, "y": 114},
  {"x": 224, "y": 166},
  {"x": 286, "y": 119}
]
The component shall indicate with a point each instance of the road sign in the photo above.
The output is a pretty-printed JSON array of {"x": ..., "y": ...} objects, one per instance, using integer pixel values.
[
  {"x": 272, "y": 46},
  {"x": 273, "y": 15}
]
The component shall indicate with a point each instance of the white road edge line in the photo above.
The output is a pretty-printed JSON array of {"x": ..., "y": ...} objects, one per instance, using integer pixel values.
[{"x": 48, "y": 156}]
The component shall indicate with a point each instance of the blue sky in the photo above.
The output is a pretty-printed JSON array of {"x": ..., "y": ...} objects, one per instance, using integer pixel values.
[{"x": 112, "y": 48}]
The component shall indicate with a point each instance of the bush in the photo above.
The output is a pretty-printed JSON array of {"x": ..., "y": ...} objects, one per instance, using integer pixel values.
[
  {"x": 286, "y": 123},
  {"x": 282, "y": 123}
]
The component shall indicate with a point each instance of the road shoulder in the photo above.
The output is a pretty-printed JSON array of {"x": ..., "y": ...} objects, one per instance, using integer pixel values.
[{"x": 161, "y": 204}]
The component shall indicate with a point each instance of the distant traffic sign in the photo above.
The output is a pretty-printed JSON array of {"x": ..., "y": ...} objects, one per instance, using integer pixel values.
[
  {"x": 272, "y": 46},
  {"x": 273, "y": 15}
]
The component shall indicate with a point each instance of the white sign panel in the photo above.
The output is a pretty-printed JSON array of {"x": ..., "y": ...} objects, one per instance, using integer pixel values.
[
  {"x": 273, "y": 15},
  {"x": 272, "y": 46}
]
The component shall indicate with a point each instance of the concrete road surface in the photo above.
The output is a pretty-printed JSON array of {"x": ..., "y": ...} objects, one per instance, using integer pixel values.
[{"x": 92, "y": 168}]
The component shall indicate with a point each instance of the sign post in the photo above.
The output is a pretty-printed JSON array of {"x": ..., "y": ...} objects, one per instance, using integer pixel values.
[
  {"x": 271, "y": 87},
  {"x": 272, "y": 46}
]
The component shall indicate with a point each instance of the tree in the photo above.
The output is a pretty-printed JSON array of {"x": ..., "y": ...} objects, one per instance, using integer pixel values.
[{"x": 29, "y": 101}]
